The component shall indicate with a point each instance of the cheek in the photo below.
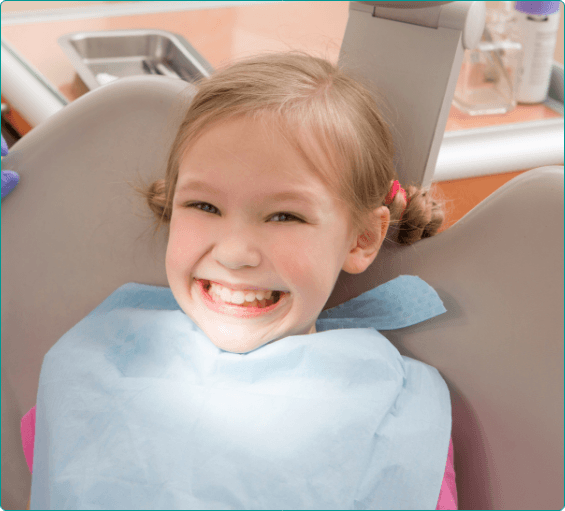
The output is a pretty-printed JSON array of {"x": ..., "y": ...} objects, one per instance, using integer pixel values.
[
  {"x": 306, "y": 266},
  {"x": 182, "y": 245}
]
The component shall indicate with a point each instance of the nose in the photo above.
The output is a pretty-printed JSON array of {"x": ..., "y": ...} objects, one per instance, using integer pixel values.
[{"x": 236, "y": 248}]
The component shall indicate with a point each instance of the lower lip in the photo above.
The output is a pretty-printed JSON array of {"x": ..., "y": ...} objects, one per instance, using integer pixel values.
[{"x": 236, "y": 310}]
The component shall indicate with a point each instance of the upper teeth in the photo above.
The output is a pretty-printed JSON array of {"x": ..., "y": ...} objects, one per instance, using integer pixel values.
[{"x": 238, "y": 297}]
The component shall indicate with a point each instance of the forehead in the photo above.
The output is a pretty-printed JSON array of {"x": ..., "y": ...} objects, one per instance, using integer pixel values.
[{"x": 256, "y": 150}]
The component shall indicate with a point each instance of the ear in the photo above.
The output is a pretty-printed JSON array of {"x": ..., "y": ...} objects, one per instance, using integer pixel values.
[{"x": 366, "y": 245}]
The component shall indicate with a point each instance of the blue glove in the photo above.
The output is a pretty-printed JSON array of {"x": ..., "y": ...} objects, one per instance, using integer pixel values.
[
  {"x": 4, "y": 147},
  {"x": 9, "y": 181},
  {"x": 9, "y": 177}
]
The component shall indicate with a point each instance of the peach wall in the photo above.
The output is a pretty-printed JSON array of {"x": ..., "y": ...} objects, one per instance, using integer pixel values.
[{"x": 25, "y": 5}]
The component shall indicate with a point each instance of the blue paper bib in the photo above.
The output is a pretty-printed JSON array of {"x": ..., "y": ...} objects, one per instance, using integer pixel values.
[{"x": 137, "y": 409}]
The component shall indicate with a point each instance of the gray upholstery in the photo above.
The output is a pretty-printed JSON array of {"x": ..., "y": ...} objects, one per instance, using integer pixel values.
[{"x": 73, "y": 231}]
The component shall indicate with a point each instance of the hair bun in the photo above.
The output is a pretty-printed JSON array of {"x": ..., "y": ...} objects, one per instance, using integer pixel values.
[
  {"x": 155, "y": 195},
  {"x": 422, "y": 217}
]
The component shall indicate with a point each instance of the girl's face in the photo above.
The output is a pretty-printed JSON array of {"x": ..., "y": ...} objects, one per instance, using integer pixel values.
[{"x": 249, "y": 214}]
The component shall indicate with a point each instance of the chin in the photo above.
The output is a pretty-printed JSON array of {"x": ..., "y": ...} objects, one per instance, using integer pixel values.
[
  {"x": 237, "y": 346},
  {"x": 235, "y": 342}
]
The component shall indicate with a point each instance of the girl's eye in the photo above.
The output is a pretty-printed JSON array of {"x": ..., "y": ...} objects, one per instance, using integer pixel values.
[
  {"x": 208, "y": 208},
  {"x": 290, "y": 217},
  {"x": 205, "y": 206}
]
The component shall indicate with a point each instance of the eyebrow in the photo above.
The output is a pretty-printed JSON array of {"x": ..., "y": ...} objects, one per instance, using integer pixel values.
[{"x": 295, "y": 195}]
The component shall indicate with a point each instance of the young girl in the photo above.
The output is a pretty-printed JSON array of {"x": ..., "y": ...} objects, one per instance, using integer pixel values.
[{"x": 232, "y": 389}]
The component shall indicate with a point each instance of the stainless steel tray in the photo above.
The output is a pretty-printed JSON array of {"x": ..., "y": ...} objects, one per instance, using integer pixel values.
[{"x": 102, "y": 57}]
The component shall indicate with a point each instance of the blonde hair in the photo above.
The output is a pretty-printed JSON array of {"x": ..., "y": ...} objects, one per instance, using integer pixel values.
[{"x": 298, "y": 92}]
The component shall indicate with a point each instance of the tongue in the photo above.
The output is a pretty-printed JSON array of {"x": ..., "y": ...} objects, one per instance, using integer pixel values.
[{"x": 254, "y": 303}]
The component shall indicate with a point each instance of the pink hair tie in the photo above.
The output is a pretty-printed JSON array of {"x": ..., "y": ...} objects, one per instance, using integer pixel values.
[{"x": 394, "y": 189}]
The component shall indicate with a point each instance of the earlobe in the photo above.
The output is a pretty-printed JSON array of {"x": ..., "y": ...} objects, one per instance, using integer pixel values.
[{"x": 368, "y": 244}]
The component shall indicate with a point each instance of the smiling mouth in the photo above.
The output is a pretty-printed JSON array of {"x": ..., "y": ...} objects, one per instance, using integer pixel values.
[{"x": 255, "y": 304}]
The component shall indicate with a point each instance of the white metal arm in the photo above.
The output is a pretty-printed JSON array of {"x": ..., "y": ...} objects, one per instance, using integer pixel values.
[{"x": 411, "y": 52}]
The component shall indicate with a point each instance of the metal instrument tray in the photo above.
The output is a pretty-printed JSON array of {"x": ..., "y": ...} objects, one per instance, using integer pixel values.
[{"x": 102, "y": 57}]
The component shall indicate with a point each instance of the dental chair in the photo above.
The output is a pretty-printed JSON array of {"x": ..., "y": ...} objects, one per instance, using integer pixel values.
[{"x": 73, "y": 231}]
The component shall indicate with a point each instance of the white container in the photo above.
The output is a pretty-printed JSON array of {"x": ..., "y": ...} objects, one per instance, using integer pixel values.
[{"x": 537, "y": 24}]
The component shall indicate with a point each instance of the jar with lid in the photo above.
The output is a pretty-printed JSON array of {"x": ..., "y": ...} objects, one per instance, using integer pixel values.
[{"x": 488, "y": 77}]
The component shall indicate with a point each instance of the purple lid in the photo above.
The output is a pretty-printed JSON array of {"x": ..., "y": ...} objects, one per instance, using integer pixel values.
[{"x": 537, "y": 7}]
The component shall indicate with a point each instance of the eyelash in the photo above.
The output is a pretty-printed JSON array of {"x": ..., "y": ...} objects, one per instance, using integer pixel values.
[{"x": 195, "y": 204}]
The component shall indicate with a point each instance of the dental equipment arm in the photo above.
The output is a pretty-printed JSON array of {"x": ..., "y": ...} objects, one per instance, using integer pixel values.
[{"x": 411, "y": 53}]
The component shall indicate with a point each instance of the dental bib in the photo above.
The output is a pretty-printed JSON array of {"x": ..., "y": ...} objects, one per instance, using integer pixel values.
[{"x": 138, "y": 409}]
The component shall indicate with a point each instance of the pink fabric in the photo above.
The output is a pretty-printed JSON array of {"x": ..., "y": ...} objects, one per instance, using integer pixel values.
[
  {"x": 27, "y": 428},
  {"x": 447, "y": 493}
]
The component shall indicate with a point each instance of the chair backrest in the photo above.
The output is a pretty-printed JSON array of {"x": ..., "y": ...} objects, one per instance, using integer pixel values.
[
  {"x": 73, "y": 231},
  {"x": 499, "y": 346}
]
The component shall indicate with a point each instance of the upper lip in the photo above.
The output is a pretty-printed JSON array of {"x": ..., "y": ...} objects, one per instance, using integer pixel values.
[{"x": 239, "y": 287}]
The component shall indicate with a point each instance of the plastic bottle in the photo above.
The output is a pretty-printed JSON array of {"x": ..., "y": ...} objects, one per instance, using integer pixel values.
[{"x": 537, "y": 24}]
